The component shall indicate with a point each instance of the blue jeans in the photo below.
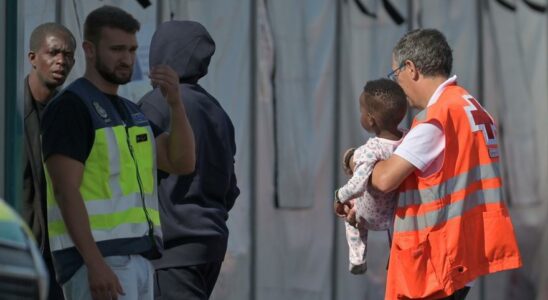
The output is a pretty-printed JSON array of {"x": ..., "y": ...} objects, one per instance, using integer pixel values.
[{"x": 135, "y": 273}]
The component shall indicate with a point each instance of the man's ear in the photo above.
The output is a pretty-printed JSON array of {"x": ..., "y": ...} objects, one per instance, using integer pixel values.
[
  {"x": 31, "y": 56},
  {"x": 413, "y": 69},
  {"x": 89, "y": 49}
]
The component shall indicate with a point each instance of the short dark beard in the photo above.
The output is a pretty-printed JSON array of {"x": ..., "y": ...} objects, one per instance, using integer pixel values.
[{"x": 108, "y": 75}]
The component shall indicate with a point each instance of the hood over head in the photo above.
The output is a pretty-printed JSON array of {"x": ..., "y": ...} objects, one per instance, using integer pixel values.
[{"x": 185, "y": 46}]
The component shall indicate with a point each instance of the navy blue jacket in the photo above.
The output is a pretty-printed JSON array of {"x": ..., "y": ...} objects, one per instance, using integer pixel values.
[{"x": 193, "y": 208}]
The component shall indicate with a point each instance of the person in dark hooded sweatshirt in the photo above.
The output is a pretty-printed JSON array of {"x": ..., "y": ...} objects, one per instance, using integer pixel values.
[{"x": 193, "y": 208}]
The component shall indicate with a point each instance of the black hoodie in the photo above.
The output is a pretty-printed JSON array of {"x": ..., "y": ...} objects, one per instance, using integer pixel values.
[{"x": 193, "y": 208}]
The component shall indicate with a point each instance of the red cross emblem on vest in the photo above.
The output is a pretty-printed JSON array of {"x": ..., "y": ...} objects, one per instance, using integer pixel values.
[{"x": 480, "y": 120}]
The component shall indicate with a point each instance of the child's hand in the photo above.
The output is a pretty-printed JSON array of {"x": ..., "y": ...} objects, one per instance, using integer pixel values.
[
  {"x": 346, "y": 210},
  {"x": 351, "y": 216},
  {"x": 164, "y": 77},
  {"x": 340, "y": 209},
  {"x": 348, "y": 161}
]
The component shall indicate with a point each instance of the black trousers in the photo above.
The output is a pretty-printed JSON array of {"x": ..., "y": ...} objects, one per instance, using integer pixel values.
[
  {"x": 189, "y": 282},
  {"x": 459, "y": 295},
  {"x": 55, "y": 292}
]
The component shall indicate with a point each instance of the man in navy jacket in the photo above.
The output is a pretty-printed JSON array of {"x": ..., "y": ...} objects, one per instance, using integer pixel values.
[{"x": 193, "y": 208}]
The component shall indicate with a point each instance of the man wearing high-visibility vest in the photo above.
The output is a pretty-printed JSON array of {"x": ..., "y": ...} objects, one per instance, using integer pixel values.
[
  {"x": 451, "y": 224},
  {"x": 101, "y": 155}
]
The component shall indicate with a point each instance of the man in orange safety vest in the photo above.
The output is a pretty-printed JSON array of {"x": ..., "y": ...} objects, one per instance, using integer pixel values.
[{"x": 451, "y": 224}]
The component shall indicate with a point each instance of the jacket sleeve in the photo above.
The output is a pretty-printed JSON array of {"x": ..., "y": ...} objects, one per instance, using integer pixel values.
[{"x": 233, "y": 190}]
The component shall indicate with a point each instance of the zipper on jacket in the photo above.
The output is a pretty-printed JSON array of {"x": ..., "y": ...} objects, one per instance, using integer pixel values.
[{"x": 140, "y": 183}]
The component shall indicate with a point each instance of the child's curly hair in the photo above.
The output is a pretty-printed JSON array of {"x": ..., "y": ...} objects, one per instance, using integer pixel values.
[{"x": 386, "y": 101}]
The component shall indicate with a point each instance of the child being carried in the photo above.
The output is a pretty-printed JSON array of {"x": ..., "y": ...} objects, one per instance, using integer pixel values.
[{"x": 383, "y": 105}]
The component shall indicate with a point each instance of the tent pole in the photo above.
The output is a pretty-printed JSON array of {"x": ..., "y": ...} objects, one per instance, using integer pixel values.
[
  {"x": 336, "y": 142},
  {"x": 253, "y": 209}
]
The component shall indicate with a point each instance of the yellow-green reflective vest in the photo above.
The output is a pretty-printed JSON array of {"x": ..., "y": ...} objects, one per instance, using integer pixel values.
[{"x": 119, "y": 180}]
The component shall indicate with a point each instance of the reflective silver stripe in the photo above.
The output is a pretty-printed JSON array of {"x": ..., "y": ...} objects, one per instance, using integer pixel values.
[
  {"x": 415, "y": 223},
  {"x": 114, "y": 163},
  {"x": 152, "y": 201},
  {"x": 158, "y": 231},
  {"x": 54, "y": 213},
  {"x": 457, "y": 183},
  {"x": 107, "y": 206},
  {"x": 122, "y": 231}
]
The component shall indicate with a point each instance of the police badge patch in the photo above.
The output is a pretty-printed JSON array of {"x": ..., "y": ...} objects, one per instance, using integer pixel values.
[
  {"x": 101, "y": 111},
  {"x": 139, "y": 118}
]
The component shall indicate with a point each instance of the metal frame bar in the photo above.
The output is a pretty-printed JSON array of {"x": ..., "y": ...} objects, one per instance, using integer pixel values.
[
  {"x": 2, "y": 99},
  {"x": 13, "y": 121},
  {"x": 336, "y": 142}
]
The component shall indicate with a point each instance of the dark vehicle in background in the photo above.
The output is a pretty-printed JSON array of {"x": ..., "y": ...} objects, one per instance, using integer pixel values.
[{"x": 23, "y": 274}]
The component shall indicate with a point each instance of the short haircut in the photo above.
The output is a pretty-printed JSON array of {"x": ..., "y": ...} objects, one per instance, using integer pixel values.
[
  {"x": 427, "y": 49},
  {"x": 39, "y": 34},
  {"x": 386, "y": 102},
  {"x": 108, "y": 16}
]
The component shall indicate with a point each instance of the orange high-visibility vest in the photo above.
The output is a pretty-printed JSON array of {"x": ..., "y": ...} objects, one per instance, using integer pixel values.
[{"x": 452, "y": 226}]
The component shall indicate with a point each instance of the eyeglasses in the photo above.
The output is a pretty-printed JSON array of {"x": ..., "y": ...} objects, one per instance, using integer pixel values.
[{"x": 392, "y": 75}]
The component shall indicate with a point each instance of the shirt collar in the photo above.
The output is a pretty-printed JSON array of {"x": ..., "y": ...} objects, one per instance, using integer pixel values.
[{"x": 440, "y": 90}]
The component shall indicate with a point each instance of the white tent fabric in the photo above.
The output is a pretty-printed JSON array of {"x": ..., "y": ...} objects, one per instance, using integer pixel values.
[
  {"x": 516, "y": 77},
  {"x": 285, "y": 242},
  {"x": 292, "y": 244},
  {"x": 304, "y": 84},
  {"x": 516, "y": 82}
]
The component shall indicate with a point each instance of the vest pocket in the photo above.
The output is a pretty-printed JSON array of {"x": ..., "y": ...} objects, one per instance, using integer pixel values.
[
  {"x": 143, "y": 152},
  {"x": 500, "y": 242},
  {"x": 415, "y": 274}
]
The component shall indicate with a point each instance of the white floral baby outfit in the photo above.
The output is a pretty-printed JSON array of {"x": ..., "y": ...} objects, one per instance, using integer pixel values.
[{"x": 374, "y": 210}]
